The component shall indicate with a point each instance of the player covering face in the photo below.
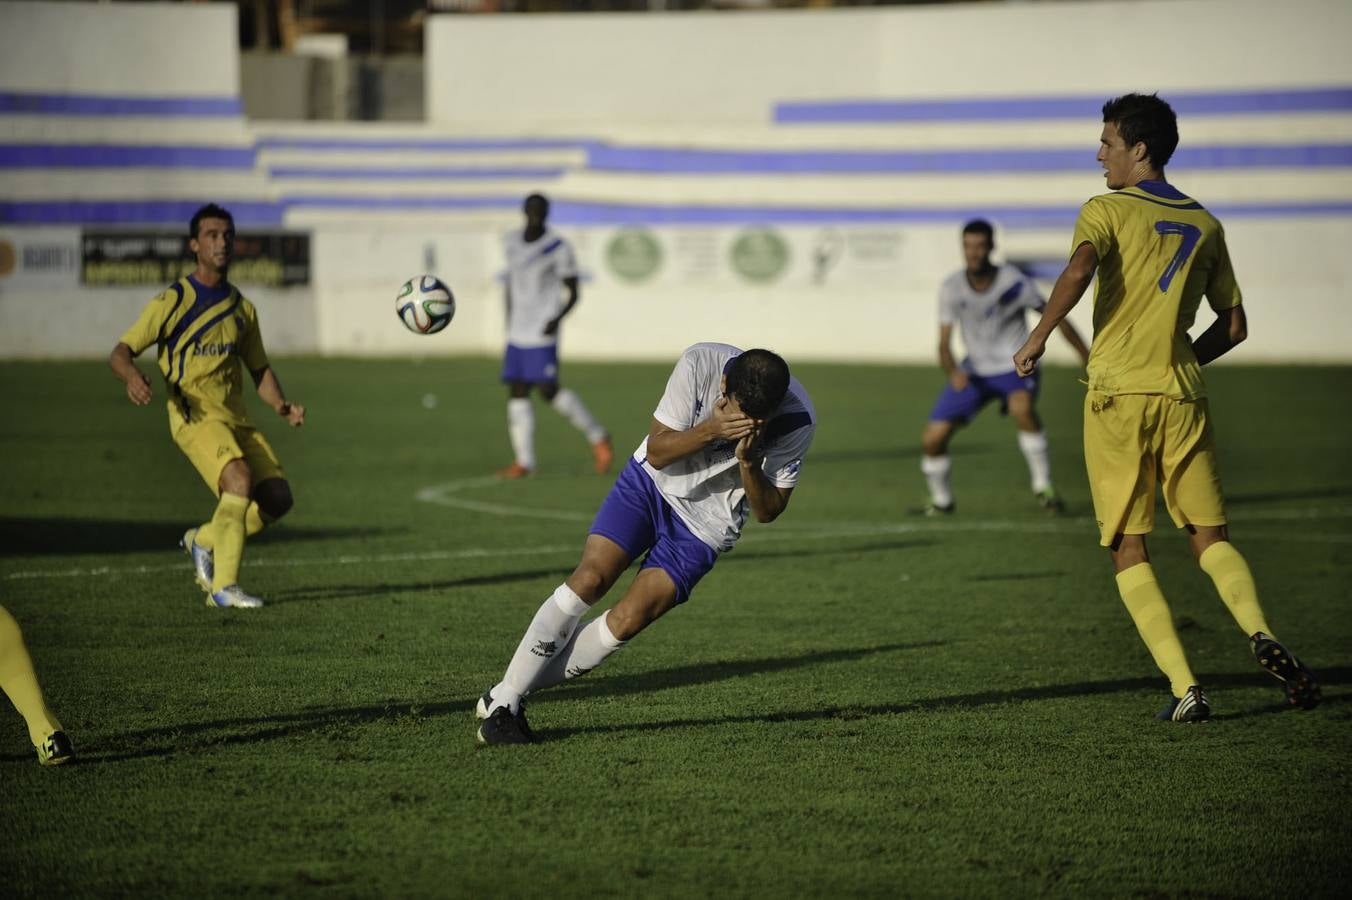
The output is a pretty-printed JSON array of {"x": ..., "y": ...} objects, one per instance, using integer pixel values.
[{"x": 727, "y": 439}]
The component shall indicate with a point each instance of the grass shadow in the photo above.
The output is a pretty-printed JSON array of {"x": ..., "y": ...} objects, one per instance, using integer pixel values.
[{"x": 201, "y": 736}]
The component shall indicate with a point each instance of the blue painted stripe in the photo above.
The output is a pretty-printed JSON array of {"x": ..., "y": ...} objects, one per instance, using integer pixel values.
[
  {"x": 17, "y": 103},
  {"x": 118, "y": 156},
  {"x": 659, "y": 160},
  {"x": 416, "y": 172},
  {"x": 1046, "y": 159},
  {"x": 1074, "y": 106},
  {"x": 416, "y": 201},
  {"x": 211, "y": 323},
  {"x": 582, "y": 213},
  {"x": 247, "y": 213},
  {"x": 438, "y": 145}
]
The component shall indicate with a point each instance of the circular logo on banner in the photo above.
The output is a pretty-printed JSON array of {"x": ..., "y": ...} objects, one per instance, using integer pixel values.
[
  {"x": 634, "y": 254},
  {"x": 760, "y": 254},
  {"x": 7, "y": 257}
]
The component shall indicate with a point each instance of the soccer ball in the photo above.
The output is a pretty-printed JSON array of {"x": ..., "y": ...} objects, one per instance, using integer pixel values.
[{"x": 425, "y": 305}]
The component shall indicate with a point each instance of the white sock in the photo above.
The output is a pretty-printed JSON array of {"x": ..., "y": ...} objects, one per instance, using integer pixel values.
[
  {"x": 1034, "y": 447},
  {"x": 548, "y": 633},
  {"x": 589, "y": 647},
  {"x": 936, "y": 469},
  {"x": 521, "y": 429},
  {"x": 571, "y": 407}
]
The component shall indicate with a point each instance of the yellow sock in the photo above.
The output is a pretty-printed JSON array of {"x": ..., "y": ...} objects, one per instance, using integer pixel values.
[
  {"x": 1234, "y": 582},
  {"x": 1144, "y": 600},
  {"x": 254, "y": 522},
  {"x": 20, "y": 682},
  {"x": 228, "y": 536}
]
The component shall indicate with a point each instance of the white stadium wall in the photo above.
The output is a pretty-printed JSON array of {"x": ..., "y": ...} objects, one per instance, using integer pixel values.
[{"x": 795, "y": 179}]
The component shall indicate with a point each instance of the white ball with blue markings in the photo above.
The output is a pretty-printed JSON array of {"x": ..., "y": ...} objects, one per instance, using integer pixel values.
[{"x": 425, "y": 305}]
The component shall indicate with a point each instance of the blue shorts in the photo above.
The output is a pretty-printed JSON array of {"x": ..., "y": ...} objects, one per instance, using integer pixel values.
[
  {"x": 635, "y": 516},
  {"x": 959, "y": 406},
  {"x": 532, "y": 365}
]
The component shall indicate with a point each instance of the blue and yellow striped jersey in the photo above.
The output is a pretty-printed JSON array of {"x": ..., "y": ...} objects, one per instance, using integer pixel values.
[
  {"x": 203, "y": 335},
  {"x": 1159, "y": 252}
]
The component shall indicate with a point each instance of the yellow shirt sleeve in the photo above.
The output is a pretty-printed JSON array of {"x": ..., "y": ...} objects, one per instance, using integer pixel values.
[
  {"x": 1222, "y": 290},
  {"x": 1094, "y": 226},
  {"x": 251, "y": 350},
  {"x": 146, "y": 330}
]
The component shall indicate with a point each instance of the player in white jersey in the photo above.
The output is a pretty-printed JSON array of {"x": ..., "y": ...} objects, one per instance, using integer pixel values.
[
  {"x": 988, "y": 302},
  {"x": 727, "y": 438},
  {"x": 540, "y": 266}
]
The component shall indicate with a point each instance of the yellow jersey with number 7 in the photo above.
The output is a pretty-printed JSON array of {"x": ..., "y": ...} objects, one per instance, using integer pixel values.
[{"x": 1159, "y": 252}]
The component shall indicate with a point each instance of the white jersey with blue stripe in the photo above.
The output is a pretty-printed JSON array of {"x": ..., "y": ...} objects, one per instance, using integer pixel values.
[
  {"x": 705, "y": 488},
  {"x": 992, "y": 321},
  {"x": 535, "y": 273}
]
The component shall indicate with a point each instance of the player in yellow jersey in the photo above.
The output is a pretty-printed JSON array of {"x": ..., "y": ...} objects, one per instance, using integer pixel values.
[
  {"x": 206, "y": 333},
  {"x": 20, "y": 684},
  {"x": 1157, "y": 252}
]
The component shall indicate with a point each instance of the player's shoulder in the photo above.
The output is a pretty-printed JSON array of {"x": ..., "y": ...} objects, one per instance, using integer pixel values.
[{"x": 954, "y": 281}]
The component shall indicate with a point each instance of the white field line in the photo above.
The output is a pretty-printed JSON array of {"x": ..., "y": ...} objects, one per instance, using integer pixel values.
[{"x": 808, "y": 532}]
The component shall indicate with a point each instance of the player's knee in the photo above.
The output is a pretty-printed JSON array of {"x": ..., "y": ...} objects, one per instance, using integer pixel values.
[
  {"x": 589, "y": 582},
  {"x": 274, "y": 498},
  {"x": 236, "y": 478},
  {"x": 934, "y": 441}
]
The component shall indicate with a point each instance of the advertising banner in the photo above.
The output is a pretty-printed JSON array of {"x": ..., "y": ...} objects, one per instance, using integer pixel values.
[{"x": 115, "y": 258}]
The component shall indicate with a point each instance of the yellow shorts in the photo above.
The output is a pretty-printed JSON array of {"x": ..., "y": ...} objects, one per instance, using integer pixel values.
[
  {"x": 211, "y": 445},
  {"x": 1132, "y": 441}
]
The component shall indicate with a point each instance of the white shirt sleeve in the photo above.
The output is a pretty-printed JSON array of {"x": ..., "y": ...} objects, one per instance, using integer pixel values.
[{"x": 676, "y": 409}]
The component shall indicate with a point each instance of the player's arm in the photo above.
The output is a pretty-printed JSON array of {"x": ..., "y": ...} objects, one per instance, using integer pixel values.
[
  {"x": 666, "y": 444},
  {"x": 767, "y": 499},
  {"x": 123, "y": 366},
  {"x": 271, "y": 393},
  {"x": 569, "y": 283},
  {"x": 1228, "y": 331},
  {"x": 1070, "y": 287},
  {"x": 956, "y": 376}
]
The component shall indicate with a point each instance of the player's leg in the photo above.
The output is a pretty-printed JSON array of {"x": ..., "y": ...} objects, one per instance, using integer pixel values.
[
  {"x": 568, "y": 404},
  {"x": 951, "y": 411},
  {"x": 1022, "y": 408},
  {"x": 1192, "y": 492},
  {"x": 520, "y": 414},
  {"x": 270, "y": 494},
  {"x": 622, "y": 530},
  {"x": 218, "y": 544},
  {"x": 1122, "y": 472},
  {"x": 675, "y": 564},
  {"x": 20, "y": 683},
  {"x": 228, "y": 532}
]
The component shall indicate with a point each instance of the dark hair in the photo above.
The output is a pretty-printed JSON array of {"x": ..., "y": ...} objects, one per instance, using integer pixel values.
[
  {"x": 980, "y": 226},
  {"x": 1145, "y": 119},
  {"x": 536, "y": 198},
  {"x": 210, "y": 211},
  {"x": 759, "y": 380}
]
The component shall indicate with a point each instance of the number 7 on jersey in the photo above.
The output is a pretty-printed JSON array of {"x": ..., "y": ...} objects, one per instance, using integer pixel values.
[{"x": 1190, "y": 235}]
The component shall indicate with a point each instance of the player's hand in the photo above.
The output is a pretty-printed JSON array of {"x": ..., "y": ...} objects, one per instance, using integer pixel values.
[
  {"x": 751, "y": 448},
  {"x": 729, "y": 422},
  {"x": 1025, "y": 361},
  {"x": 552, "y": 326},
  {"x": 139, "y": 390},
  {"x": 958, "y": 380},
  {"x": 294, "y": 413}
]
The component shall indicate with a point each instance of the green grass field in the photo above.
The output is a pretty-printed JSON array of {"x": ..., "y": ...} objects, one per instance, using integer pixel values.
[{"x": 857, "y": 701}]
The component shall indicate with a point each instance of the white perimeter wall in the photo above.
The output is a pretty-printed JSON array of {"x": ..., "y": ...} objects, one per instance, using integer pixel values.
[
  {"x": 587, "y": 71},
  {"x": 119, "y": 49}
]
